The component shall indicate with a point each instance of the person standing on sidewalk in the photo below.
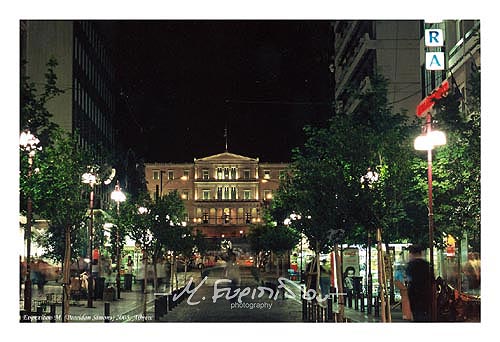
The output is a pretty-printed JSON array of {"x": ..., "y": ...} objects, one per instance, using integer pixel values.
[{"x": 419, "y": 285}]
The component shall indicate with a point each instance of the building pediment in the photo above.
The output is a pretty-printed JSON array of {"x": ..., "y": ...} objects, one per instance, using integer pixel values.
[{"x": 226, "y": 157}]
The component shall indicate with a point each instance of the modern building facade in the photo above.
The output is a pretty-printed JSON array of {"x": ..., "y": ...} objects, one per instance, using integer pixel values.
[
  {"x": 391, "y": 48},
  {"x": 84, "y": 72},
  {"x": 224, "y": 194},
  {"x": 462, "y": 54}
]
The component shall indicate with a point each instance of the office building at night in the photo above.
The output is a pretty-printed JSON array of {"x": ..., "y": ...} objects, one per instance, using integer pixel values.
[
  {"x": 388, "y": 47},
  {"x": 84, "y": 72},
  {"x": 461, "y": 50}
]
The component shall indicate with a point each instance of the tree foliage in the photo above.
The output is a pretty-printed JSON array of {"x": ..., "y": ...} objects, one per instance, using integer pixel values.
[
  {"x": 34, "y": 113},
  {"x": 59, "y": 196},
  {"x": 324, "y": 184},
  {"x": 267, "y": 236},
  {"x": 456, "y": 166}
]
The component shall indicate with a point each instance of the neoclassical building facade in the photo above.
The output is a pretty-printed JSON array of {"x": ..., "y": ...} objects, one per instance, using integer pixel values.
[{"x": 224, "y": 193}]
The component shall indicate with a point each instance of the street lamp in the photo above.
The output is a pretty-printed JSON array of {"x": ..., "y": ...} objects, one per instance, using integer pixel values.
[
  {"x": 118, "y": 196},
  {"x": 287, "y": 222},
  {"x": 427, "y": 141},
  {"x": 367, "y": 180},
  {"x": 91, "y": 177},
  {"x": 28, "y": 143}
]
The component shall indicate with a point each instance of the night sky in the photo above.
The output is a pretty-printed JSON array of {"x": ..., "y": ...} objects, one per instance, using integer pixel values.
[{"x": 182, "y": 82}]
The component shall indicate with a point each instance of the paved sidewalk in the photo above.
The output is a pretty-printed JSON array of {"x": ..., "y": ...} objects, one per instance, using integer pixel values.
[
  {"x": 210, "y": 306},
  {"x": 129, "y": 308}
]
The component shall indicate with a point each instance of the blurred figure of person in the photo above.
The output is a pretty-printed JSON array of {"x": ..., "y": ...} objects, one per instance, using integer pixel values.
[
  {"x": 405, "y": 301},
  {"x": 84, "y": 282},
  {"x": 22, "y": 271},
  {"x": 128, "y": 274},
  {"x": 130, "y": 265},
  {"x": 311, "y": 275},
  {"x": 140, "y": 276},
  {"x": 419, "y": 285},
  {"x": 472, "y": 274},
  {"x": 324, "y": 280},
  {"x": 232, "y": 272},
  {"x": 349, "y": 284}
]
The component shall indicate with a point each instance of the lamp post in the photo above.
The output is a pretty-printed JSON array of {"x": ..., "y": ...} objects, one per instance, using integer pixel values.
[
  {"x": 427, "y": 141},
  {"x": 368, "y": 179},
  {"x": 118, "y": 196},
  {"x": 28, "y": 143},
  {"x": 147, "y": 238},
  {"x": 90, "y": 178}
]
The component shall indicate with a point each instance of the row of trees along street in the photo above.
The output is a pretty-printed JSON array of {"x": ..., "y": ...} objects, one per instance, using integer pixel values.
[
  {"x": 323, "y": 181},
  {"x": 58, "y": 195}
]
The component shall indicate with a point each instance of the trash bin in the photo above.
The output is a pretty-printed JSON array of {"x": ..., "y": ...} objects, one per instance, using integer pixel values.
[
  {"x": 128, "y": 282},
  {"x": 99, "y": 287}
]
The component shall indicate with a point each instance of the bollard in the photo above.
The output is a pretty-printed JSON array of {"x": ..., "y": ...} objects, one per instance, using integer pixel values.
[
  {"x": 362, "y": 302},
  {"x": 349, "y": 299},
  {"x": 52, "y": 313},
  {"x": 39, "y": 313},
  {"x": 106, "y": 312},
  {"x": 356, "y": 304},
  {"x": 376, "y": 306},
  {"x": 183, "y": 293},
  {"x": 164, "y": 305},
  {"x": 157, "y": 309},
  {"x": 330, "y": 309},
  {"x": 174, "y": 302},
  {"x": 304, "y": 309},
  {"x": 169, "y": 301}
]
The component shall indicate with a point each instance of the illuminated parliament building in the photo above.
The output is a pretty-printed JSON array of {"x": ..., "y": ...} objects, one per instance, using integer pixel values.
[{"x": 223, "y": 194}]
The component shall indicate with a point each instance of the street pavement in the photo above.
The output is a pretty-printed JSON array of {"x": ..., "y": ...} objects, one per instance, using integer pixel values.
[{"x": 208, "y": 301}]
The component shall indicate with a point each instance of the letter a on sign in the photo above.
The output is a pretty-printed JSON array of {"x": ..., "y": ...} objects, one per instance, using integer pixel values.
[
  {"x": 434, "y": 60},
  {"x": 434, "y": 37}
]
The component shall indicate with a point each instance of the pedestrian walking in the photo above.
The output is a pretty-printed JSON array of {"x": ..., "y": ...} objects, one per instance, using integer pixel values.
[
  {"x": 419, "y": 285},
  {"x": 348, "y": 284},
  {"x": 324, "y": 280}
]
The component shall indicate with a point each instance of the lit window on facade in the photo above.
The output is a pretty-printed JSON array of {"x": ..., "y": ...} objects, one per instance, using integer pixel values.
[
  {"x": 186, "y": 174},
  {"x": 206, "y": 194},
  {"x": 267, "y": 174},
  {"x": 170, "y": 174},
  {"x": 204, "y": 173},
  {"x": 247, "y": 194},
  {"x": 246, "y": 174},
  {"x": 156, "y": 174}
]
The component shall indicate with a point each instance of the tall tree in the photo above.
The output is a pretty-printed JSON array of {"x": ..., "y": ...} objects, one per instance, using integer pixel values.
[{"x": 60, "y": 197}]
